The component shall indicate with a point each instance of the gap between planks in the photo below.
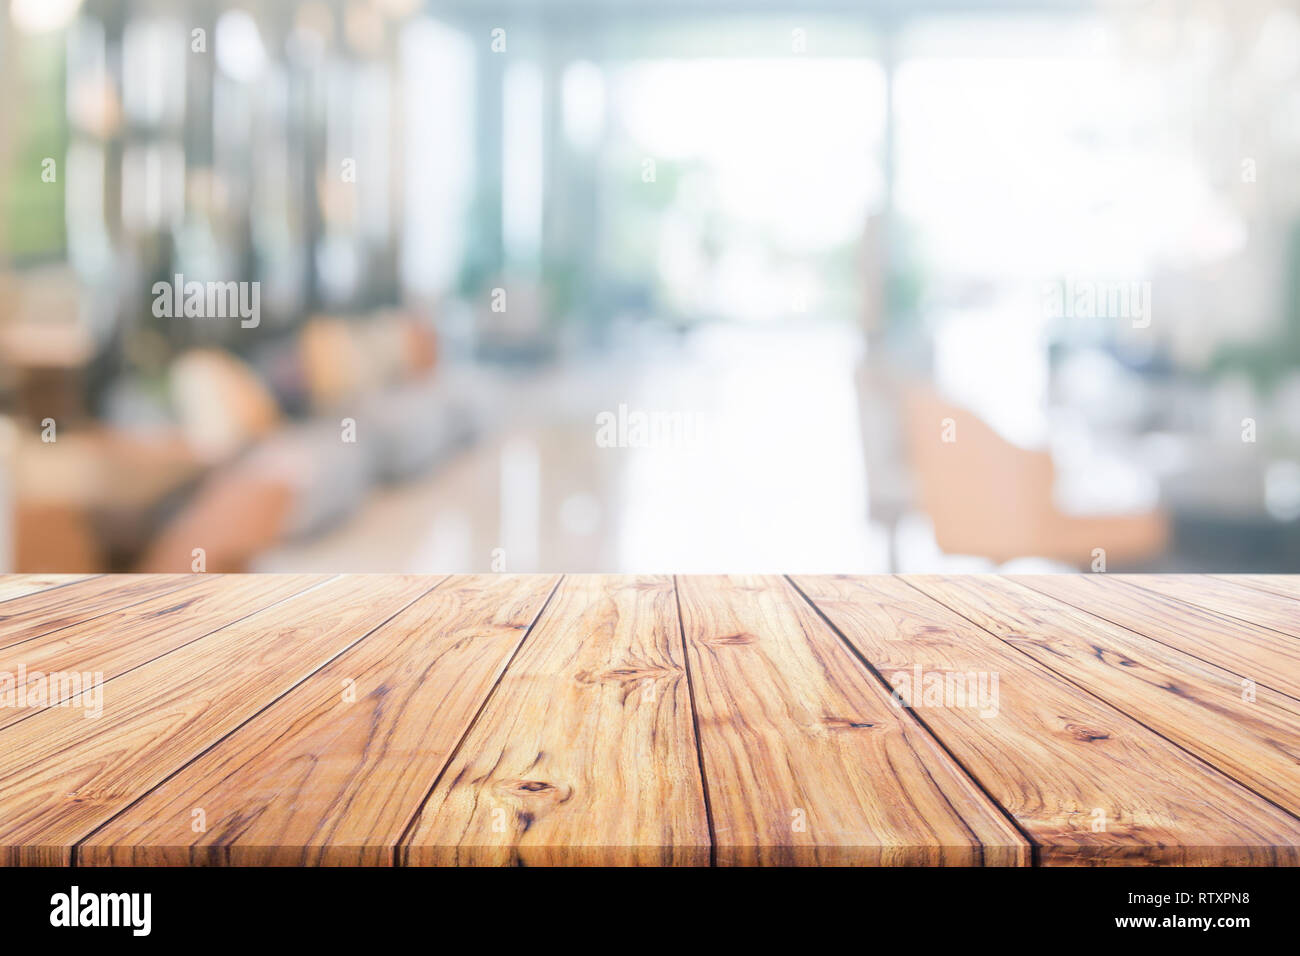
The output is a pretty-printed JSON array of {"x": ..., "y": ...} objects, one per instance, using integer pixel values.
[
  {"x": 1254, "y": 749},
  {"x": 872, "y": 676},
  {"x": 65, "y": 778},
  {"x": 20, "y": 585},
  {"x": 1034, "y": 846},
  {"x": 1081, "y": 752},
  {"x": 396, "y": 849},
  {"x": 49, "y": 652},
  {"x": 342, "y": 786},
  {"x": 80, "y": 844}
]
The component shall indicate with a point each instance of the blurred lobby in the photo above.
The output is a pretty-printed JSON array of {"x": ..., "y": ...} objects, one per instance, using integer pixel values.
[{"x": 744, "y": 286}]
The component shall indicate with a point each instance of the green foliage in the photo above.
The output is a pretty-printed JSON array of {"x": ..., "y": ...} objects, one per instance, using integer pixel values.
[{"x": 31, "y": 210}]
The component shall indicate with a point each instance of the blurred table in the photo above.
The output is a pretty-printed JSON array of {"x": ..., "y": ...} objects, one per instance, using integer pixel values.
[{"x": 90, "y": 500}]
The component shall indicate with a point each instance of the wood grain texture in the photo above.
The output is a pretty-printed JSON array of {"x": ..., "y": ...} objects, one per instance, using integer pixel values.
[
  {"x": 1267, "y": 657},
  {"x": 806, "y": 760},
  {"x": 1058, "y": 759},
  {"x": 114, "y": 643},
  {"x": 20, "y": 585},
  {"x": 1224, "y": 597},
  {"x": 65, "y": 775},
  {"x": 23, "y": 618},
  {"x": 1250, "y": 733},
  {"x": 584, "y": 754},
  {"x": 636, "y": 720},
  {"x": 332, "y": 773},
  {"x": 1285, "y": 585}
]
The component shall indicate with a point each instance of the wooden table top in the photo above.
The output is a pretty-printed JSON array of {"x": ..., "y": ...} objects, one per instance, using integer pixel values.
[{"x": 596, "y": 719}]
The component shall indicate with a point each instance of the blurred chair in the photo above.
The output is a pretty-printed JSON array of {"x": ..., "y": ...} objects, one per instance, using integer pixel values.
[
  {"x": 235, "y": 516},
  {"x": 54, "y": 538},
  {"x": 221, "y": 404},
  {"x": 990, "y": 498},
  {"x": 275, "y": 479},
  {"x": 92, "y": 494},
  {"x": 236, "y": 474},
  {"x": 45, "y": 344}
]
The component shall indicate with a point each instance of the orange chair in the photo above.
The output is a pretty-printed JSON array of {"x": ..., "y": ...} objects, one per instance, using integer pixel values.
[
  {"x": 990, "y": 498},
  {"x": 236, "y": 515}
]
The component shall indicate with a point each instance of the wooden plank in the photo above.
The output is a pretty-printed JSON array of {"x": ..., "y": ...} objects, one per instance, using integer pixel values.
[
  {"x": 1252, "y": 734},
  {"x": 20, "y": 585},
  {"x": 1087, "y": 783},
  {"x": 332, "y": 773},
  {"x": 1258, "y": 653},
  {"x": 805, "y": 758},
  {"x": 114, "y": 643},
  {"x": 26, "y": 617},
  {"x": 64, "y": 775},
  {"x": 1285, "y": 585},
  {"x": 585, "y": 752},
  {"x": 1223, "y": 597}
]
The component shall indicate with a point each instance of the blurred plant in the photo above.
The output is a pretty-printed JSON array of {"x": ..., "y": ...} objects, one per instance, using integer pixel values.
[
  {"x": 31, "y": 204},
  {"x": 1268, "y": 364},
  {"x": 483, "y": 259}
]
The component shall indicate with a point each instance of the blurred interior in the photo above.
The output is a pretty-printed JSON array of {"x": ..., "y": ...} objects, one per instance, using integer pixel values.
[{"x": 728, "y": 285}]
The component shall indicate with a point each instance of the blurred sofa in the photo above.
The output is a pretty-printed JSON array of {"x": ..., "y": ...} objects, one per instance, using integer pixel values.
[{"x": 255, "y": 452}]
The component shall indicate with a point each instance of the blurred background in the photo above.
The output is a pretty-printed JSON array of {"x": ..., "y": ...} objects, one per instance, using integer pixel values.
[{"x": 721, "y": 285}]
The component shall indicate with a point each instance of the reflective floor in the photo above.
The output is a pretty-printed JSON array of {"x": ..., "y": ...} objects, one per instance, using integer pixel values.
[{"x": 732, "y": 448}]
